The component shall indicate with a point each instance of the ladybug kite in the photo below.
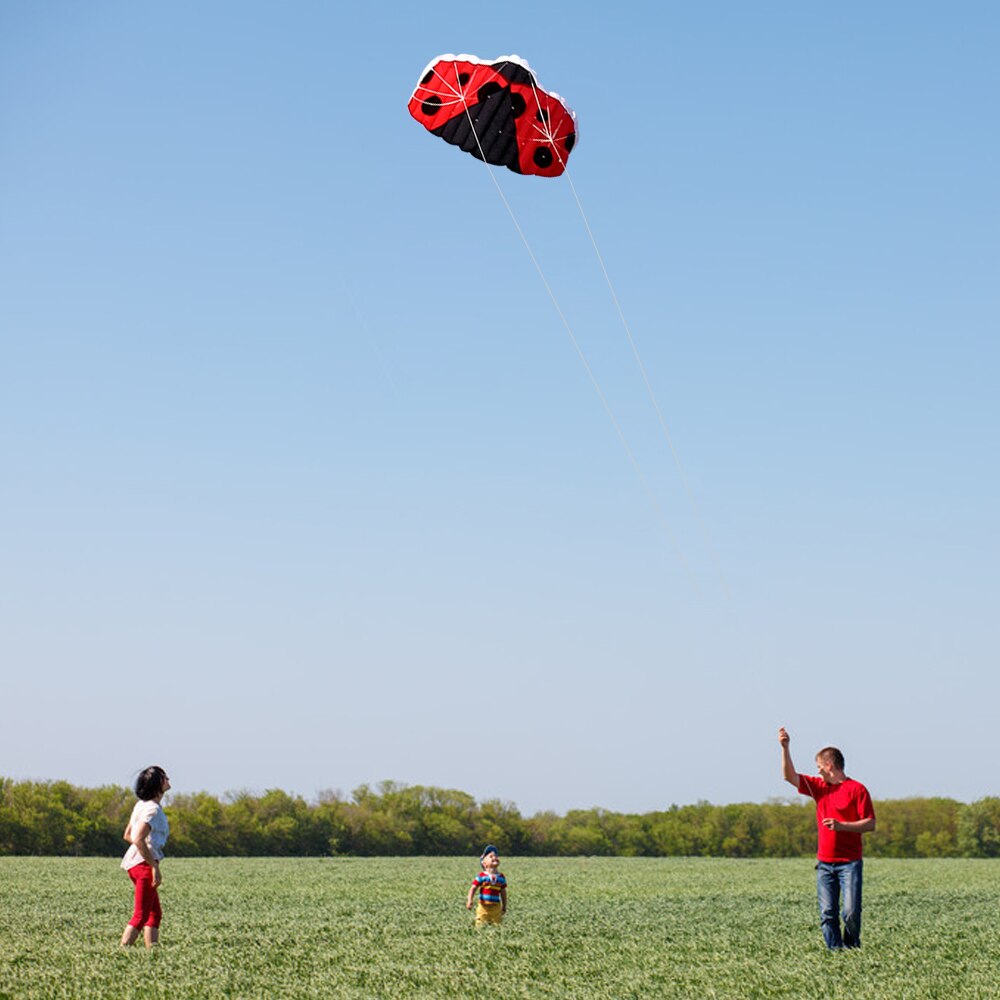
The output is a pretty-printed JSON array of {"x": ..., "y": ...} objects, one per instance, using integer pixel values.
[{"x": 497, "y": 112}]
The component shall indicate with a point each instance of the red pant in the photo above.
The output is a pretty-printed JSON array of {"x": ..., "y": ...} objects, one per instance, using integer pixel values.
[{"x": 147, "y": 911}]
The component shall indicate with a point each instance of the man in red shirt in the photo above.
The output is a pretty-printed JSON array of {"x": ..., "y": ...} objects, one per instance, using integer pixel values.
[{"x": 844, "y": 811}]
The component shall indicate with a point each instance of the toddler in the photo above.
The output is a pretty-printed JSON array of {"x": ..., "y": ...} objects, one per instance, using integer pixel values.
[{"x": 492, "y": 888}]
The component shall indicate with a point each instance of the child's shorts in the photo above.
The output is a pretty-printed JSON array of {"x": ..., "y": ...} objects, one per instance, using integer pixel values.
[{"x": 488, "y": 914}]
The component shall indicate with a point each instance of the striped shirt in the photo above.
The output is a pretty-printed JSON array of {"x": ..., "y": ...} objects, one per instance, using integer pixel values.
[{"x": 489, "y": 887}]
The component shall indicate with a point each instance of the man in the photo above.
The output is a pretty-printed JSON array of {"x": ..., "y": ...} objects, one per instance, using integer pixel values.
[{"x": 844, "y": 811}]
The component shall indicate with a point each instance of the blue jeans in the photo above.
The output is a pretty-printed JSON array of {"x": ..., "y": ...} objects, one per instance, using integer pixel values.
[{"x": 838, "y": 885}]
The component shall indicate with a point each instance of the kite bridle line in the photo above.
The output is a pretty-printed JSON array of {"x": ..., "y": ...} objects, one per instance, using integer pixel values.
[
  {"x": 647, "y": 489},
  {"x": 550, "y": 139}
]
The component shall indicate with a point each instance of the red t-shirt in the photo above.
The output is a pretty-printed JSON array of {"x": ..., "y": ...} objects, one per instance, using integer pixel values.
[{"x": 848, "y": 801}]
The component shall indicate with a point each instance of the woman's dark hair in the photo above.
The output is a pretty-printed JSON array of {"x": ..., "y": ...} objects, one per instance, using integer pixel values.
[{"x": 149, "y": 784}]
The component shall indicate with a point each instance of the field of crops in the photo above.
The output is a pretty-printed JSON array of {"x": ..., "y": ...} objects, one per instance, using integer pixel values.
[{"x": 587, "y": 927}]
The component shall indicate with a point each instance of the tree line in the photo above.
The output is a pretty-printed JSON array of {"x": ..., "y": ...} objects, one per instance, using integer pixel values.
[{"x": 57, "y": 818}]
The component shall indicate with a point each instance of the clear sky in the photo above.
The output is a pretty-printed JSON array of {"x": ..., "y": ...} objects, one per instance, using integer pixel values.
[{"x": 303, "y": 484}]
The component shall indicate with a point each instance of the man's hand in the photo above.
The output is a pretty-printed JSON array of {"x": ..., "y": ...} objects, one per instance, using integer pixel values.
[
  {"x": 850, "y": 826},
  {"x": 783, "y": 738}
]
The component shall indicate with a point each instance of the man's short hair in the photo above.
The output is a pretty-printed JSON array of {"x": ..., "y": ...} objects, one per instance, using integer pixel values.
[{"x": 832, "y": 756}]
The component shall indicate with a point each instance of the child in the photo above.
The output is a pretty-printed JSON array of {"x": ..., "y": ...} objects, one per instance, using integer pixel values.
[{"x": 492, "y": 888}]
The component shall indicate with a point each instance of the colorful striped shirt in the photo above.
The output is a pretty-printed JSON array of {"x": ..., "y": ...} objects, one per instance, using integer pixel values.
[{"x": 489, "y": 887}]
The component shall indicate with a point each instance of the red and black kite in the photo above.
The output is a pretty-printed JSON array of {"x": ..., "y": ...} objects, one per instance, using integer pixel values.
[{"x": 497, "y": 112}]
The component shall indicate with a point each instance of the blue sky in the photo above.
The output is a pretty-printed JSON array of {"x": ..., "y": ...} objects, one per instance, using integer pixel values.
[{"x": 304, "y": 485}]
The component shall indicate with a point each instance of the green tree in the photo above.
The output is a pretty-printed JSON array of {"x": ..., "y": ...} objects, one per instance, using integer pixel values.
[
  {"x": 979, "y": 829},
  {"x": 500, "y": 823}
]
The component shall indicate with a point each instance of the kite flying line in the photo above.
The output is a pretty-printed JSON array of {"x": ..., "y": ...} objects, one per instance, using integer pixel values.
[
  {"x": 458, "y": 93},
  {"x": 679, "y": 466},
  {"x": 590, "y": 374},
  {"x": 532, "y": 131}
]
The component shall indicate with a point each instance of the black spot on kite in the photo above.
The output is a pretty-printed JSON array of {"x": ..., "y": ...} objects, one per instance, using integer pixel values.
[
  {"x": 517, "y": 104},
  {"x": 543, "y": 157},
  {"x": 428, "y": 76},
  {"x": 542, "y": 115},
  {"x": 487, "y": 90},
  {"x": 570, "y": 141},
  {"x": 431, "y": 106},
  {"x": 463, "y": 79}
]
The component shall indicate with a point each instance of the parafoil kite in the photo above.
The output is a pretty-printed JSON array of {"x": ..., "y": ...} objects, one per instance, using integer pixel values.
[{"x": 497, "y": 112}]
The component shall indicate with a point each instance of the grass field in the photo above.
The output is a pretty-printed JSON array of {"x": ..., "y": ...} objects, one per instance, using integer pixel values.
[{"x": 587, "y": 927}]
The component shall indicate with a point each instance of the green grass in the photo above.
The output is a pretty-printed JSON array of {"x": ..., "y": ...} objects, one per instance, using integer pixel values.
[{"x": 588, "y": 928}]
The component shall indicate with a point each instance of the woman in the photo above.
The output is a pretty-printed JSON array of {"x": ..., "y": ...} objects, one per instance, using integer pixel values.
[{"x": 147, "y": 832}]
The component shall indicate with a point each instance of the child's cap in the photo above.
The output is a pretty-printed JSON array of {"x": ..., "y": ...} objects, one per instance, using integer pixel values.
[{"x": 489, "y": 849}]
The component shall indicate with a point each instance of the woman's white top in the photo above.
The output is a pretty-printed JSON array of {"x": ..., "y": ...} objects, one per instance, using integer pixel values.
[{"x": 159, "y": 829}]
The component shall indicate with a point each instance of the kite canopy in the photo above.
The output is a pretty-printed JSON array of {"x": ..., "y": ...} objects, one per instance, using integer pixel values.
[{"x": 497, "y": 112}]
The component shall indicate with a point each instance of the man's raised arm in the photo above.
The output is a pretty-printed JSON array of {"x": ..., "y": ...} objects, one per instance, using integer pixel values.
[{"x": 788, "y": 771}]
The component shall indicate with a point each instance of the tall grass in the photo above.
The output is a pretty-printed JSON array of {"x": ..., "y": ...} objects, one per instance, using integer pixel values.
[{"x": 588, "y": 928}]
